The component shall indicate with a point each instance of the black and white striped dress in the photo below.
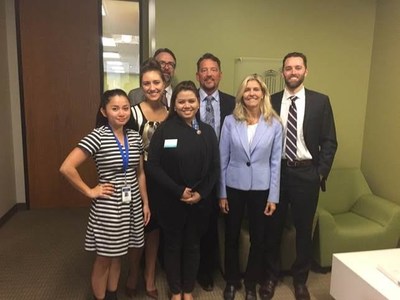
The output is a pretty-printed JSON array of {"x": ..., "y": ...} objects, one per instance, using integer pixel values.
[{"x": 114, "y": 226}]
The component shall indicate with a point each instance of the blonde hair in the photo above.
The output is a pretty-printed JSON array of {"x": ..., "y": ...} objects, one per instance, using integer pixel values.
[{"x": 240, "y": 112}]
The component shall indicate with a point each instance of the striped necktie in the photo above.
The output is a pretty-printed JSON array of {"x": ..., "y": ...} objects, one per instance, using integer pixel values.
[{"x": 291, "y": 131}]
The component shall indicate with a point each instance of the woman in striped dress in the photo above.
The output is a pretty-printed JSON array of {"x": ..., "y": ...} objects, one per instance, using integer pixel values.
[{"x": 119, "y": 208}]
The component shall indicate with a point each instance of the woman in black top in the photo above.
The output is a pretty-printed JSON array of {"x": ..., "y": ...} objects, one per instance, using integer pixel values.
[{"x": 184, "y": 161}]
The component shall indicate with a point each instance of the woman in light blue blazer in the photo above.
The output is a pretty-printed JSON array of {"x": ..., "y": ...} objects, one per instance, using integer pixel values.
[{"x": 251, "y": 151}]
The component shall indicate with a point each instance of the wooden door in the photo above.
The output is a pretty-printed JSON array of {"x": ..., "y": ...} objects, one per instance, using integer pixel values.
[{"x": 59, "y": 48}]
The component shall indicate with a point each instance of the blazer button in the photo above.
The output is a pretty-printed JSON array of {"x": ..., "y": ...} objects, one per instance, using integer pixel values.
[{"x": 248, "y": 164}]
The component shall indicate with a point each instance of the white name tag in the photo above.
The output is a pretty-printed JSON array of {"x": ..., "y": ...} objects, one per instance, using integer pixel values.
[
  {"x": 126, "y": 194},
  {"x": 170, "y": 143}
]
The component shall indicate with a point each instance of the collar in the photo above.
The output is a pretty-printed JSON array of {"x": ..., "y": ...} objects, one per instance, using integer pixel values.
[
  {"x": 203, "y": 95},
  {"x": 300, "y": 94},
  {"x": 168, "y": 90}
]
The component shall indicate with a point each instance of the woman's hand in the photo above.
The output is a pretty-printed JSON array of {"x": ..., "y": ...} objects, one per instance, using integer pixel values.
[
  {"x": 224, "y": 205},
  {"x": 103, "y": 190},
  {"x": 196, "y": 197},
  {"x": 270, "y": 208},
  {"x": 146, "y": 214},
  {"x": 187, "y": 194}
]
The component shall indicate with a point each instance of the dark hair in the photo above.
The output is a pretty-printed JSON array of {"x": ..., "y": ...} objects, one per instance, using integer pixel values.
[
  {"x": 150, "y": 65},
  {"x": 105, "y": 99},
  {"x": 187, "y": 85},
  {"x": 161, "y": 50},
  {"x": 295, "y": 54},
  {"x": 208, "y": 56}
]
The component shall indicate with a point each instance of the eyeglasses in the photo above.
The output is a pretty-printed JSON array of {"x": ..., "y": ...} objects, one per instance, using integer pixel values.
[{"x": 163, "y": 64}]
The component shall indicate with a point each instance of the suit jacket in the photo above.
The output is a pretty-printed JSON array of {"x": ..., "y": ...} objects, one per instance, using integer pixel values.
[
  {"x": 136, "y": 96},
  {"x": 226, "y": 106},
  {"x": 254, "y": 167},
  {"x": 318, "y": 128}
]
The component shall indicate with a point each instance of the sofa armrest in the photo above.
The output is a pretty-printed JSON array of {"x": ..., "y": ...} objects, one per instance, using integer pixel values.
[
  {"x": 377, "y": 209},
  {"x": 325, "y": 219}
]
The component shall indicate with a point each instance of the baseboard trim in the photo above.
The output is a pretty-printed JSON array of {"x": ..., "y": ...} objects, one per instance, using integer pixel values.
[{"x": 13, "y": 210}]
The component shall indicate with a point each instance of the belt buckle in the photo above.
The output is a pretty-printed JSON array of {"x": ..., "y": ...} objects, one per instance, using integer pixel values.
[{"x": 292, "y": 163}]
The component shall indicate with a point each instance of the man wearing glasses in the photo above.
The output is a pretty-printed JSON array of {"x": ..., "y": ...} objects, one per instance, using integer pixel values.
[{"x": 167, "y": 60}]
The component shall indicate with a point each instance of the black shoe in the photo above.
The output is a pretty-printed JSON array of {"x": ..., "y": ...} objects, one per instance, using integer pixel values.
[
  {"x": 111, "y": 295},
  {"x": 267, "y": 290},
  {"x": 229, "y": 292},
  {"x": 301, "y": 292},
  {"x": 251, "y": 294},
  {"x": 206, "y": 283}
]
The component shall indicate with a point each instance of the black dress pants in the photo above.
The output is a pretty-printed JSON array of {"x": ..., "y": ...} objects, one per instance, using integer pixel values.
[
  {"x": 254, "y": 202},
  {"x": 300, "y": 191},
  {"x": 209, "y": 245},
  {"x": 181, "y": 255}
]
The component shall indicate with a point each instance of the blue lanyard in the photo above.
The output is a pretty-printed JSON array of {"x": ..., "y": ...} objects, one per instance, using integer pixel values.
[{"x": 124, "y": 152}]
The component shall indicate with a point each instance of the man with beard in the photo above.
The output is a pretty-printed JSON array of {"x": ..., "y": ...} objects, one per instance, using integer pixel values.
[
  {"x": 167, "y": 60},
  {"x": 309, "y": 149},
  {"x": 214, "y": 107}
]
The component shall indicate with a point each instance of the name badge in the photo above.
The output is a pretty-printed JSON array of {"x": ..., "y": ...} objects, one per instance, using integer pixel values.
[
  {"x": 126, "y": 194},
  {"x": 170, "y": 143}
]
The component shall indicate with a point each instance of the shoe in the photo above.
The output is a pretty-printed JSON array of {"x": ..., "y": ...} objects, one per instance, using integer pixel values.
[
  {"x": 301, "y": 292},
  {"x": 251, "y": 294},
  {"x": 130, "y": 292},
  {"x": 111, "y": 295},
  {"x": 229, "y": 292},
  {"x": 206, "y": 283},
  {"x": 267, "y": 290},
  {"x": 152, "y": 294}
]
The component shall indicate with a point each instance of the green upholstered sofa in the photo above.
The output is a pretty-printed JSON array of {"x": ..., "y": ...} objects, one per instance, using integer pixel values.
[{"x": 351, "y": 218}]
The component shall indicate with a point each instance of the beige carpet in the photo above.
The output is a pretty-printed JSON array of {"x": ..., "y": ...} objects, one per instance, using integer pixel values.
[{"x": 42, "y": 258}]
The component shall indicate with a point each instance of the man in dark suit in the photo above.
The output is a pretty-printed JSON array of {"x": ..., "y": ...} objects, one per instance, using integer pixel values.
[
  {"x": 214, "y": 107},
  {"x": 306, "y": 162}
]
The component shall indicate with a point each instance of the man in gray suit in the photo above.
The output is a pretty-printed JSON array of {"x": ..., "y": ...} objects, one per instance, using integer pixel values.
[
  {"x": 167, "y": 60},
  {"x": 209, "y": 75}
]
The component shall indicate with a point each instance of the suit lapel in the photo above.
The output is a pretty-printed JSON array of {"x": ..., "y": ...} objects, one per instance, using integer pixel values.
[
  {"x": 306, "y": 111},
  {"x": 241, "y": 129},
  {"x": 260, "y": 132}
]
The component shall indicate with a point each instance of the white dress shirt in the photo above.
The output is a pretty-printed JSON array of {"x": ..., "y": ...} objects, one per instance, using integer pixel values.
[{"x": 302, "y": 151}]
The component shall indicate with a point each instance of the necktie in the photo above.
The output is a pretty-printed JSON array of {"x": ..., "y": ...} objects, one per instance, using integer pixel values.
[
  {"x": 209, "y": 115},
  {"x": 291, "y": 131}
]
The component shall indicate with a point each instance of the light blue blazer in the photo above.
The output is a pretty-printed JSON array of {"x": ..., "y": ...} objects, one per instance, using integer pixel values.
[{"x": 251, "y": 167}]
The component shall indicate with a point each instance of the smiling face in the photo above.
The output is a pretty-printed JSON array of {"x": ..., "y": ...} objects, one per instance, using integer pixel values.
[
  {"x": 168, "y": 64},
  {"x": 153, "y": 85},
  {"x": 209, "y": 75},
  {"x": 252, "y": 95},
  {"x": 294, "y": 72},
  {"x": 187, "y": 105},
  {"x": 117, "y": 111}
]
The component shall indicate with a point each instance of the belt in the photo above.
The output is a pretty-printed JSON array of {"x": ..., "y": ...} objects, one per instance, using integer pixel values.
[{"x": 297, "y": 163}]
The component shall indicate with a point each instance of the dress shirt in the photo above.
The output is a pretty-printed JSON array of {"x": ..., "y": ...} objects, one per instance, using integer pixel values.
[
  {"x": 168, "y": 94},
  {"x": 216, "y": 106},
  {"x": 302, "y": 151}
]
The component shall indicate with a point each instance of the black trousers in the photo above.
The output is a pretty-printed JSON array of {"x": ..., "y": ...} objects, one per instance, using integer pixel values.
[
  {"x": 209, "y": 245},
  {"x": 300, "y": 191},
  {"x": 182, "y": 255},
  {"x": 254, "y": 202}
]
